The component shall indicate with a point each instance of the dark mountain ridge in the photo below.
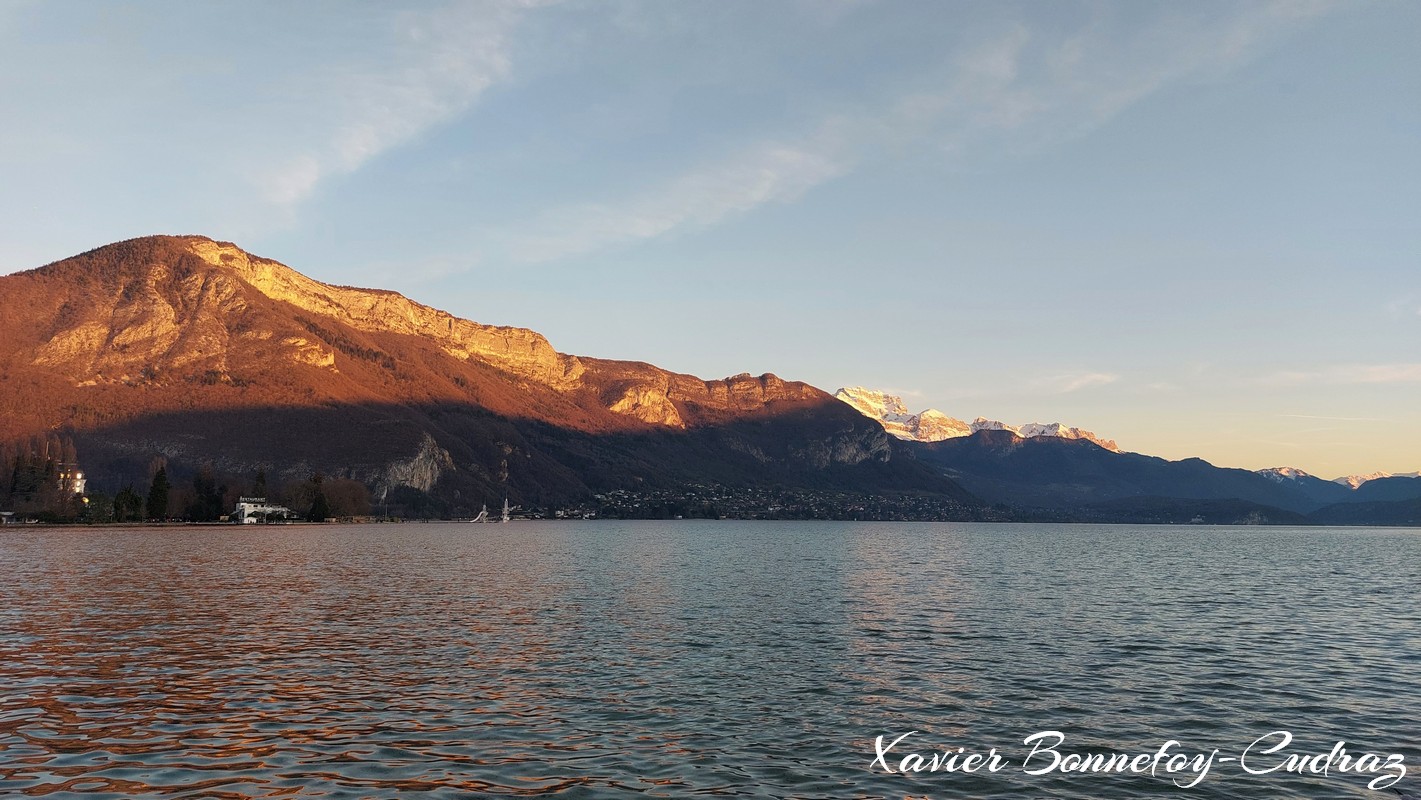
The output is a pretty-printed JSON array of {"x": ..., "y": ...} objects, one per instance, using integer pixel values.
[
  {"x": 1382, "y": 490},
  {"x": 1053, "y": 473}
]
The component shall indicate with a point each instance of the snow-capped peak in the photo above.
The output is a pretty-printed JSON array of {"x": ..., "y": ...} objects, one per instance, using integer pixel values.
[
  {"x": 873, "y": 403},
  {"x": 929, "y": 426},
  {"x": 984, "y": 424},
  {"x": 1281, "y": 474},
  {"x": 1353, "y": 481},
  {"x": 1031, "y": 429},
  {"x": 934, "y": 426}
]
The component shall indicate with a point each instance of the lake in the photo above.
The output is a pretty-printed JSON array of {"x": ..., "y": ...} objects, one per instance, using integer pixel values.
[{"x": 666, "y": 659}]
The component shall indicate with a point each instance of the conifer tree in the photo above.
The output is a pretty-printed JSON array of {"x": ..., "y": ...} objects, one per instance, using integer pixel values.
[
  {"x": 320, "y": 509},
  {"x": 158, "y": 495},
  {"x": 127, "y": 505}
]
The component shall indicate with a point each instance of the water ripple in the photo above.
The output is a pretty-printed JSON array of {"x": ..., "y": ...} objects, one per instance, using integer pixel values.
[{"x": 673, "y": 660}]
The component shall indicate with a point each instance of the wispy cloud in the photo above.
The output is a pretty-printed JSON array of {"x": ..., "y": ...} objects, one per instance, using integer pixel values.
[
  {"x": 10, "y": 9},
  {"x": 1034, "y": 86},
  {"x": 1074, "y": 382},
  {"x": 407, "y": 271},
  {"x": 1348, "y": 374},
  {"x": 443, "y": 60},
  {"x": 767, "y": 173},
  {"x": 1316, "y": 430},
  {"x": 1160, "y": 386},
  {"x": 1043, "y": 87},
  {"x": 1336, "y": 419},
  {"x": 1405, "y": 305}
]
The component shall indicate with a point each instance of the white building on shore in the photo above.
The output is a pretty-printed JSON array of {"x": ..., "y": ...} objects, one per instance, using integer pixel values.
[{"x": 256, "y": 510}]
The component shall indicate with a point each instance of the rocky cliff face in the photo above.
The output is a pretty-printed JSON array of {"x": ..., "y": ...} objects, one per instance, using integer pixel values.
[
  {"x": 176, "y": 302},
  {"x": 125, "y": 327},
  {"x": 848, "y": 450},
  {"x": 517, "y": 350},
  {"x": 421, "y": 471}
]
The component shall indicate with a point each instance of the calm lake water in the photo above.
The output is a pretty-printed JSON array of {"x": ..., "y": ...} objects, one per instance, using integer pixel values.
[{"x": 694, "y": 658}]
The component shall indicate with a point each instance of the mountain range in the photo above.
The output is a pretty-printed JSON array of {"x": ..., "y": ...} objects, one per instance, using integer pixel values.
[
  {"x": 1076, "y": 479},
  {"x": 203, "y": 355},
  {"x": 220, "y": 365},
  {"x": 1055, "y": 468},
  {"x": 932, "y": 425},
  {"x": 1354, "y": 481}
]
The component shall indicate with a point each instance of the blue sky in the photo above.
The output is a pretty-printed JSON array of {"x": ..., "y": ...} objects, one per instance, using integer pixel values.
[{"x": 1191, "y": 227}]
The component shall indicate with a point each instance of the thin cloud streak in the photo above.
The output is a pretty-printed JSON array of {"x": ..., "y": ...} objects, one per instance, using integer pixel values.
[
  {"x": 1014, "y": 83},
  {"x": 1402, "y": 306},
  {"x": 1335, "y": 419},
  {"x": 1348, "y": 374},
  {"x": 1161, "y": 386},
  {"x": 767, "y": 173},
  {"x": 446, "y": 59},
  {"x": 1065, "y": 384},
  {"x": 904, "y": 393}
]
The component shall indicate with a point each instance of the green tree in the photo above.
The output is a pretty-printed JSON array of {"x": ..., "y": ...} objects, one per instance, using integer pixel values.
[
  {"x": 127, "y": 505},
  {"x": 320, "y": 509},
  {"x": 158, "y": 495},
  {"x": 346, "y": 497},
  {"x": 98, "y": 508},
  {"x": 206, "y": 505}
]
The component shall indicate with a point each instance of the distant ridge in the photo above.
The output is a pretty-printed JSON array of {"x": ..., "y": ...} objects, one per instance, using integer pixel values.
[{"x": 1356, "y": 481}]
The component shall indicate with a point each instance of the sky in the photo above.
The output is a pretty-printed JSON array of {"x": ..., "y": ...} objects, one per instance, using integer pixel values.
[{"x": 1194, "y": 228}]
